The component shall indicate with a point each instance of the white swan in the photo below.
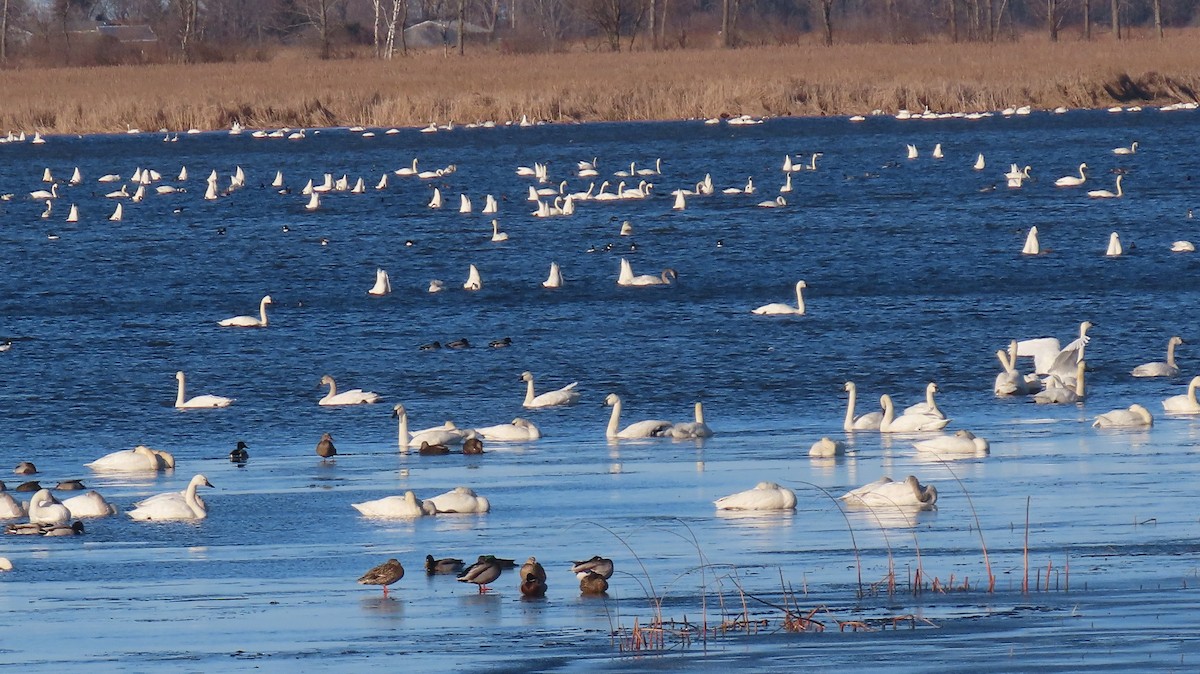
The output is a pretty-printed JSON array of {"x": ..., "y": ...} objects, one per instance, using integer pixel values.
[
  {"x": 45, "y": 509},
  {"x": 764, "y": 496},
  {"x": 1114, "y": 246},
  {"x": 866, "y": 422},
  {"x": 396, "y": 507},
  {"x": 680, "y": 202},
  {"x": 937, "y": 151},
  {"x": 90, "y": 504},
  {"x": 1015, "y": 173},
  {"x": 1184, "y": 404},
  {"x": 460, "y": 500},
  {"x": 520, "y": 430},
  {"x": 473, "y": 280},
  {"x": 929, "y": 407},
  {"x": 650, "y": 428},
  {"x": 555, "y": 279},
  {"x": 250, "y": 321},
  {"x": 464, "y": 203},
  {"x": 407, "y": 170},
  {"x": 10, "y": 508},
  {"x": 692, "y": 429},
  {"x": 498, "y": 235},
  {"x": 962, "y": 442},
  {"x": 887, "y": 493},
  {"x": 73, "y": 216},
  {"x": 140, "y": 458},
  {"x": 907, "y": 423},
  {"x": 826, "y": 448},
  {"x": 182, "y": 402},
  {"x": 436, "y": 200},
  {"x": 436, "y": 286},
  {"x": 175, "y": 505},
  {"x": 566, "y": 395},
  {"x": 1126, "y": 150},
  {"x": 1049, "y": 358},
  {"x": 383, "y": 284},
  {"x": 912, "y": 151},
  {"x": 1073, "y": 181},
  {"x": 1160, "y": 369},
  {"x": 780, "y": 309},
  {"x": 627, "y": 277},
  {"x": 1056, "y": 393},
  {"x": 980, "y": 164},
  {"x": 787, "y": 184},
  {"x": 775, "y": 203},
  {"x": 117, "y": 214},
  {"x": 1134, "y": 417},
  {"x": 352, "y": 397},
  {"x": 1010, "y": 381},
  {"x": 43, "y": 195},
  {"x": 1176, "y": 247},
  {"x": 1105, "y": 194},
  {"x": 1032, "y": 246}
]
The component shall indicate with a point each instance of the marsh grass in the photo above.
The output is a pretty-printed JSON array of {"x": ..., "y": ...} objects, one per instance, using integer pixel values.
[{"x": 296, "y": 91}]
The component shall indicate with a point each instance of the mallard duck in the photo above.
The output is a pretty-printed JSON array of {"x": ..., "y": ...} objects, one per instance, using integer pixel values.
[
  {"x": 593, "y": 583},
  {"x": 459, "y": 344},
  {"x": 447, "y": 565},
  {"x": 533, "y": 586},
  {"x": 44, "y": 529},
  {"x": 500, "y": 343},
  {"x": 385, "y": 574},
  {"x": 70, "y": 485},
  {"x": 472, "y": 445},
  {"x": 240, "y": 455},
  {"x": 32, "y": 485},
  {"x": 25, "y": 468},
  {"x": 486, "y": 570},
  {"x": 325, "y": 448},
  {"x": 598, "y": 565},
  {"x": 533, "y": 567},
  {"x": 432, "y": 450}
]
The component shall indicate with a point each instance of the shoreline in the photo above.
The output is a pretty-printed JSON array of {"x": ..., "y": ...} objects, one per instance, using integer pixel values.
[{"x": 795, "y": 81}]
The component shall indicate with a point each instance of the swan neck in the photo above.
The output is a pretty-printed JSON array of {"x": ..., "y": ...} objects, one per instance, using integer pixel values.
[
  {"x": 614, "y": 420},
  {"x": 403, "y": 433},
  {"x": 181, "y": 395},
  {"x": 848, "y": 424},
  {"x": 1171, "y": 353},
  {"x": 332, "y": 388},
  {"x": 799, "y": 298},
  {"x": 529, "y": 391},
  {"x": 889, "y": 413},
  {"x": 262, "y": 312},
  {"x": 699, "y": 413},
  {"x": 1192, "y": 391}
]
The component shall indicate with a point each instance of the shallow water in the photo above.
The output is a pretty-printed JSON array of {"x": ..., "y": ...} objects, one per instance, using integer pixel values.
[{"x": 913, "y": 275}]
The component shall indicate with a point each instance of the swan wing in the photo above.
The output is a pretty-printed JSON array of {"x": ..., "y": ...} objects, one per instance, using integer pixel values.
[
  {"x": 856, "y": 495},
  {"x": 650, "y": 428},
  {"x": 207, "y": 401},
  {"x": 691, "y": 429},
  {"x": 914, "y": 423},
  {"x": 775, "y": 309},
  {"x": 1180, "y": 404},
  {"x": 1043, "y": 351},
  {"x": 566, "y": 395},
  {"x": 171, "y": 506},
  {"x": 778, "y": 498},
  {"x": 390, "y": 507},
  {"x": 1155, "y": 370},
  {"x": 241, "y": 322}
]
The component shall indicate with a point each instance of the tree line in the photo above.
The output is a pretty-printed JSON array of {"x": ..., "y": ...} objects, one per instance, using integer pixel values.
[{"x": 62, "y": 32}]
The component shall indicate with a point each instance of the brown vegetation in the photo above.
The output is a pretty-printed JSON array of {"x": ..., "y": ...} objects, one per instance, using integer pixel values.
[{"x": 293, "y": 90}]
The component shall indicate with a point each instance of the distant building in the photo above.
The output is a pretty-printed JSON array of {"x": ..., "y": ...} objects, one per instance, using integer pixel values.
[
  {"x": 438, "y": 33},
  {"x": 130, "y": 35}
]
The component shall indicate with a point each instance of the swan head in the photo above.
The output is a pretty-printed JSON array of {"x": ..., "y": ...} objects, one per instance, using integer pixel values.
[
  {"x": 800, "y": 285},
  {"x": 200, "y": 481},
  {"x": 1176, "y": 340},
  {"x": 1084, "y": 327},
  {"x": 526, "y": 376},
  {"x": 267, "y": 300},
  {"x": 885, "y": 401},
  {"x": 326, "y": 380},
  {"x": 670, "y": 274},
  {"x": 398, "y": 410},
  {"x": 179, "y": 375},
  {"x": 612, "y": 399},
  {"x": 766, "y": 485},
  {"x": 849, "y": 387}
]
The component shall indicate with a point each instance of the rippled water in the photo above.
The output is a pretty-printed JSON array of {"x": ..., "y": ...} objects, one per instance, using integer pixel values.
[{"x": 913, "y": 273}]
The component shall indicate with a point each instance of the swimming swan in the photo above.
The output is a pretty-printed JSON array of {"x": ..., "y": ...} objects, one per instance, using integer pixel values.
[
  {"x": 764, "y": 496},
  {"x": 1134, "y": 417},
  {"x": 352, "y": 397},
  {"x": 91, "y": 504},
  {"x": 473, "y": 280},
  {"x": 10, "y": 508},
  {"x": 566, "y": 395},
  {"x": 383, "y": 284},
  {"x": 1049, "y": 358},
  {"x": 140, "y": 458},
  {"x": 885, "y": 492},
  {"x": 866, "y": 422},
  {"x": 1126, "y": 150},
  {"x": 781, "y": 309},
  {"x": 520, "y": 430},
  {"x": 1032, "y": 246},
  {"x": 1072, "y": 181},
  {"x": 929, "y": 407},
  {"x": 396, "y": 507},
  {"x": 555, "y": 279},
  {"x": 250, "y": 321},
  {"x": 184, "y": 505},
  {"x": 692, "y": 429},
  {"x": 1056, "y": 393},
  {"x": 650, "y": 428},
  {"x": 497, "y": 235},
  {"x": 627, "y": 278},
  {"x": 198, "y": 402},
  {"x": 1167, "y": 369},
  {"x": 827, "y": 448},
  {"x": 1010, "y": 381},
  {"x": 1114, "y": 246},
  {"x": 460, "y": 500},
  {"x": 907, "y": 423},
  {"x": 962, "y": 442},
  {"x": 1105, "y": 194},
  {"x": 45, "y": 509},
  {"x": 1184, "y": 404}
]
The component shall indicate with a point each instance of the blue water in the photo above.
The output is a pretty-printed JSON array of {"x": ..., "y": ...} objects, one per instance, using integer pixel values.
[{"x": 913, "y": 272}]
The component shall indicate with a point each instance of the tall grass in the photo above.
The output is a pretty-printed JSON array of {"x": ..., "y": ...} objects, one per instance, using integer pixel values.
[{"x": 297, "y": 91}]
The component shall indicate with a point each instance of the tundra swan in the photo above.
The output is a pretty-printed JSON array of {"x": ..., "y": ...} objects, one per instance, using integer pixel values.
[
  {"x": 1160, "y": 369},
  {"x": 1056, "y": 393},
  {"x": 680, "y": 202},
  {"x": 650, "y": 428},
  {"x": 383, "y": 284},
  {"x": 446, "y": 434},
  {"x": 907, "y": 423},
  {"x": 436, "y": 200},
  {"x": 520, "y": 430},
  {"x": 352, "y": 397},
  {"x": 937, "y": 151},
  {"x": 1072, "y": 181},
  {"x": 464, "y": 203},
  {"x": 1105, "y": 194},
  {"x": 140, "y": 458},
  {"x": 566, "y": 395},
  {"x": 962, "y": 442},
  {"x": 185, "y": 505},
  {"x": 1134, "y": 417},
  {"x": 692, "y": 429},
  {"x": 866, "y": 422},
  {"x": 887, "y": 493},
  {"x": 407, "y": 170},
  {"x": 1114, "y": 246},
  {"x": 182, "y": 402},
  {"x": 473, "y": 280},
  {"x": 775, "y": 203},
  {"x": 912, "y": 151},
  {"x": 250, "y": 321},
  {"x": 45, "y": 509},
  {"x": 1176, "y": 247},
  {"x": 1010, "y": 381},
  {"x": 91, "y": 504},
  {"x": 436, "y": 286},
  {"x": 764, "y": 496},
  {"x": 627, "y": 278},
  {"x": 42, "y": 195},
  {"x": 1184, "y": 404},
  {"x": 1049, "y": 358},
  {"x": 780, "y": 309},
  {"x": 460, "y": 500},
  {"x": 117, "y": 214},
  {"x": 980, "y": 164},
  {"x": 1032, "y": 246},
  {"x": 787, "y": 184},
  {"x": 555, "y": 279},
  {"x": 929, "y": 407},
  {"x": 396, "y": 507},
  {"x": 1126, "y": 150},
  {"x": 657, "y": 170},
  {"x": 498, "y": 235},
  {"x": 826, "y": 448},
  {"x": 10, "y": 508}
]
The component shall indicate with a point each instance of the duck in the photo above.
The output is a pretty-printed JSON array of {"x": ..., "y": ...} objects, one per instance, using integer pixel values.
[
  {"x": 249, "y": 321},
  {"x": 1167, "y": 369},
  {"x": 907, "y": 423},
  {"x": 827, "y": 447},
  {"x": 444, "y": 566},
  {"x": 89, "y": 504},
  {"x": 601, "y": 566},
  {"x": 427, "y": 449},
  {"x": 929, "y": 407},
  {"x": 627, "y": 277},
  {"x": 70, "y": 485},
  {"x": 35, "y": 529},
  {"x": 764, "y": 496},
  {"x": 239, "y": 454},
  {"x": 458, "y": 344},
  {"x": 1073, "y": 181},
  {"x": 519, "y": 430},
  {"x": 140, "y": 458},
  {"x": 962, "y": 442},
  {"x": 355, "y": 396},
  {"x": 692, "y": 429},
  {"x": 460, "y": 500},
  {"x": 45, "y": 509},
  {"x": 431, "y": 346},
  {"x": 593, "y": 584},
  {"x": 532, "y": 586},
  {"x": 325, "y": 448},
  {"x": 472, "y": 444},
  {"x": 500, "y": 343},
  {"x": 1134, "y": 417},
  {"x": 650, "y": 428},
  {"x": 555, "y": 279},
  {"x": 182, "y": 402},
  {"x": 482, "y": 572},
  {"x": 780, "y": 309},
  {"x": 1184, "y": 404},
  {"x": 866, "y": 422},
  {"x": 185, "y": 505},
  {"x": 407, "y": 506},
  {"x": 25, "y": 468},
  {"x": 385, "y": 574},
  {"x": 1056, "y": 393},
  {"x": 1105, "y": 194},
  {"x": 383, "y": 284},
  {"x": 886, "y": 492},
  {"x": 566, "y": 395}
]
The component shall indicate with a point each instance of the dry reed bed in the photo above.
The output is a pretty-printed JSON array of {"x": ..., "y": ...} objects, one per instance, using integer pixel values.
[{"x": 412, "y": 91}]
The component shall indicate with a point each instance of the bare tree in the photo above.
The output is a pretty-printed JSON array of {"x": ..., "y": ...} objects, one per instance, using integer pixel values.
[
  {"x": 826, "y": 7},
  {"x": 320, "y": 15},
  {"x": 552, "y": 18},
  {"x": 1116, "y": 19},
  {"x": 4, "y": 34},
  {"x": 189, "y": 20},
  {"x": 1087, "y": 19},
  {"x": 1158, "y": 18},
  {"x": 1051, "y": 24},
  {"x": 614, "y": 18}
]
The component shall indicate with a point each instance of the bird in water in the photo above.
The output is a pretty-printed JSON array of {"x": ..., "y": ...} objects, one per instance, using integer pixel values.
[
  {"x": 597, "y": 565},
  {"x": 593, "y": 584},
  {"x": 432, "y": 346},
  {"x": 32, "y": 485},
  {"x": 533, "y": 586},
  {"x": 385, "y": 574},
  {"x": 25, "y": 468},
  {"x": 239, "y": 455},
  {"x": 500, "y": 343},
  {"x": 432, "y": 450},
  {"x": 325, "y": 448},
  {"x": 532, "y": 567},
  {"x": 70, "y": 485},
  {"x": 486, "y": 570},
  {"x": 443, "y": 566},
  {"x": 472, "y": 445},
  {"x": 459, "y": 344}
]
